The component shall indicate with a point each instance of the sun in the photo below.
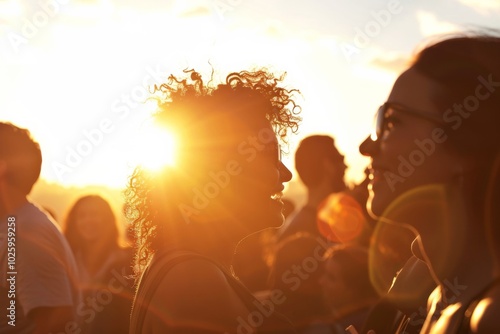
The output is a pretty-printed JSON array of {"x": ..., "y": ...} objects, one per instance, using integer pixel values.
[{"x": 156, "y": 148}]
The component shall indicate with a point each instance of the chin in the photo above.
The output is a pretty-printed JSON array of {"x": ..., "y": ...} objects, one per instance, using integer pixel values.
[
  {"x": 377, "y": 204},
  {"x": 276, "y": 213},
  {"x": 262, "y": 215},
  {"x": 268, "y": 219},
  {"x": 277, "y": 220},
  {"x": 273, "y": 220}
]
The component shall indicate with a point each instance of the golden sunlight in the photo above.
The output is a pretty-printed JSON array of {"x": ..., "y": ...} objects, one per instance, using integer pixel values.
[{"x": 156, "y": 148}]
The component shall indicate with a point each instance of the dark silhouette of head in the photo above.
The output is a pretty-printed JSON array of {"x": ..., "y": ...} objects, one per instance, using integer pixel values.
[
  {"x": 317, "y": 160},
  {"x": 296, "y": 267},
  {"x": 20, "y": 156},
  {"x": 346, "y": 279},
  {"x": 228, "y": 177}
]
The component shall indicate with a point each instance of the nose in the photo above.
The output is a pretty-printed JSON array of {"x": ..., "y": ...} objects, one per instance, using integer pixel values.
[
  {"x": 368, "y": 147},
  {"x": 285, "y": 174}
]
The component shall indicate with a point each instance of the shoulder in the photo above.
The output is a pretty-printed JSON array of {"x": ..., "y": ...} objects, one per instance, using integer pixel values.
[
  {"x": 197, "y": 291},
  {"x": 42, "y": 251},
  {"x": 44, "y": 262},
  {"x": 485, "y": 316},
  {"x": 30, "y": 213},
  {"x": 33, "y": 221},
  {"x": 197, "y": 278},
  {"x": 412, "y": 286},
  {"x": 38, "y": 233},
  {"x": 35, "y": 231}
]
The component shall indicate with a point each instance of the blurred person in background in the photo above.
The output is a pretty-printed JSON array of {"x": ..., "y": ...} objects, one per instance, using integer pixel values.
[
  {"x": 104, "y": 266},
  {"x": 321, "y": 168},
  {"x": 347, "y": 288},
  {"x": 38, "y": 288},
  {"x": 296, "y": 268}
]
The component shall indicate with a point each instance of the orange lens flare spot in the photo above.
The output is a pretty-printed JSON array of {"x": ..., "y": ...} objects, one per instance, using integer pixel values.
[{"x": 340, "y": 218}]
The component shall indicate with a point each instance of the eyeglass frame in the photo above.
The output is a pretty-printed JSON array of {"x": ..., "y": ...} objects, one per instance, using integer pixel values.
[{"x": 380, "y": 117}]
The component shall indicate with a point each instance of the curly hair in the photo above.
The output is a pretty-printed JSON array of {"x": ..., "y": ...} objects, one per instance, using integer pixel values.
[{"x": 203, "y": 114}]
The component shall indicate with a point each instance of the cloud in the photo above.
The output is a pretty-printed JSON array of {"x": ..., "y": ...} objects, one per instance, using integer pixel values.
[
  {"x": 430, "y": 25},
  {"x": 196, "y": 12},
  {"x": 192, "y": 9},
  {"x": 395, "y": 64},
  {"x": 484, "y": 7},
  {"x": 275, "y": 28}
]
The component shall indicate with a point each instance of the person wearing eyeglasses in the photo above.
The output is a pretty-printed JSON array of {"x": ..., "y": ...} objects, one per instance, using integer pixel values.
[
  {"x": 435, "y": 157},
  {"x": 226, "y": 184}
]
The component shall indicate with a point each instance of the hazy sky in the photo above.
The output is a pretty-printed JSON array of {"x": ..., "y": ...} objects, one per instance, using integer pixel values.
[{"x": 76, "y": 73}]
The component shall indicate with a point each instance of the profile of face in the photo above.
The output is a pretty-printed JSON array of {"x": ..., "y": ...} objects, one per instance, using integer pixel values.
[
  {"x": 92, "y": 220},
  {"x": 255, "y": 192},
  {"x": 411, "y": 148},
  {"x": 336, "y": 168}
]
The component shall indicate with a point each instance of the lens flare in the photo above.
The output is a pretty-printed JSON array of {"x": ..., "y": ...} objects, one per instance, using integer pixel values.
[
  {"x": 156, "y": 148},
  {"x": 341, "y": 218},
  {"x": 436, "y": 214}
]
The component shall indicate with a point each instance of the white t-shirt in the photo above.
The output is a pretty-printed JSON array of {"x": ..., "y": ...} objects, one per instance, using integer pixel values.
[{"x": 44, "y": 270}]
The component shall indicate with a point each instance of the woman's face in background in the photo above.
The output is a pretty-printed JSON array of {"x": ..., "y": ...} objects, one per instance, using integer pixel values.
[{"x": 90, "y": 220}]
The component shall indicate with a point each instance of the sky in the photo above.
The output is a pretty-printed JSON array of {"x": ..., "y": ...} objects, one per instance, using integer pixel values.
[{"x": 77, "y": 73}]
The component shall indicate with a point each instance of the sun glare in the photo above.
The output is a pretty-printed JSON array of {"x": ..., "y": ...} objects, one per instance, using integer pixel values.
[{"x": 156, "y": 148}]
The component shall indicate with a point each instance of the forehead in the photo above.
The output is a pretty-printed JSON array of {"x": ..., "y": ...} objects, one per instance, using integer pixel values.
[
  {"x": 414, "y": 90},
  {"x": 261, "y": 129},
  {"x": 90, "y": 204},
  {"x": 215, "y": 139}
]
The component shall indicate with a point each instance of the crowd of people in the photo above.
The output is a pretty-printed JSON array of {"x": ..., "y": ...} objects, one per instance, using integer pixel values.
[{"x": 414, "y": 248}]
